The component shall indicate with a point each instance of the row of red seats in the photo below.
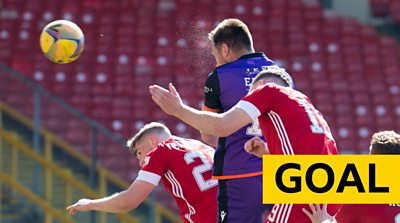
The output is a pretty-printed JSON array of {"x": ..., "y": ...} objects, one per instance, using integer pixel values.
[{"x": 384, "y": 8}]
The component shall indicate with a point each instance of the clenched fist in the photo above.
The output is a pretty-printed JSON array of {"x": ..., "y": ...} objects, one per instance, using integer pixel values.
[{"x": 256, "y": 146}]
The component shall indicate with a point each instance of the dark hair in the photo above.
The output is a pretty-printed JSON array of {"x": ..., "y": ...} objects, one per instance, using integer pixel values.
[
  {"x": 233, "y": 33},
  {"x": 385, "y": 142},
  {"x": 276, "y": 73}
]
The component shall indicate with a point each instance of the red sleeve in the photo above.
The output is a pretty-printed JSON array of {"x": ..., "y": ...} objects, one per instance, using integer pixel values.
[
  {"x": 157, "y": 161},
  {"x": 262, "y": 97}
]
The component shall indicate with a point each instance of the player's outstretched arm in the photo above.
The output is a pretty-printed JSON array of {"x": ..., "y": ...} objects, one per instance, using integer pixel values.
[
  {"x": 119, "y": 202},
  {"x": 207, "y": 122},
  {"x": 318, "y": 214},
  {"x": 209, "y": 139},
  {"x": 256, "y": 146}
]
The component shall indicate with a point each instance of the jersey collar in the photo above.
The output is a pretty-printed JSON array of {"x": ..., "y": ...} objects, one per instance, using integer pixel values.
[{"x": 251, "y": 55}]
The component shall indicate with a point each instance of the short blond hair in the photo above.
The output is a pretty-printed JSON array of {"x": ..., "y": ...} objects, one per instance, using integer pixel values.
[
  {"x": 153, "y": 127},
  {"x": 279, "y": 73}
]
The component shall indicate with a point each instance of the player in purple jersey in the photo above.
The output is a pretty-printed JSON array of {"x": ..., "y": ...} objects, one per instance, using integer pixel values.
[{"x": 239, "y": 173}]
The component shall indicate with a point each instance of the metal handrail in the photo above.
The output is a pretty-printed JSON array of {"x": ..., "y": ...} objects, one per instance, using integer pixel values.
[
  {"x": 55, "y": 170},
  {"x": 60, "y": 102}
]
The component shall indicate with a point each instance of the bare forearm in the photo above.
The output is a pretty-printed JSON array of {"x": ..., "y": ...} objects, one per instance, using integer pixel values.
[
  {"x": 114, "y": 204},
  {"x": 206, "y": 122},
  {"x": 209, "y": 139},
  {"x": 120, "y": 202}
]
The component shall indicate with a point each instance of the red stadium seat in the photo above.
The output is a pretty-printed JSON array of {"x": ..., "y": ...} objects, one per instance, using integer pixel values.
[{"x": 379, "y": 8}]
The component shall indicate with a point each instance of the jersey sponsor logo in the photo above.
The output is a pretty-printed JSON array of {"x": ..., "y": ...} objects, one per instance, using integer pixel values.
[
  {"x": 256, "y": 70},
  {"x": 248, "y": 81},
  {"x": 270, "y": 67},
  {"x": 208, "y": 89},
  {"x": 222, "y": 214},
  {"x": 343, "y": 179},
  {"x": 252, "y": 71}
]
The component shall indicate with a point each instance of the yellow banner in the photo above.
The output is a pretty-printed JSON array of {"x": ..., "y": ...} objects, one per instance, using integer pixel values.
[{"x": 334, "y": 179}]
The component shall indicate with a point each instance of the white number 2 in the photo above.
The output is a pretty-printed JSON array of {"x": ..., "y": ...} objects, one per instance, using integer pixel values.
[{"x": 200, "y": 169}]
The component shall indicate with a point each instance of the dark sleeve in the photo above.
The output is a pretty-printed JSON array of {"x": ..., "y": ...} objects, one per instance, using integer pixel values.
[{"x": 212, "y": 93}]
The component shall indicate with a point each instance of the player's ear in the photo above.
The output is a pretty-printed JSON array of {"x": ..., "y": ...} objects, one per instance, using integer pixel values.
[
  {"x": 261, "y": 82},
  {"x": 153, "y": 141},
  {"x": 225, "y": 50}
]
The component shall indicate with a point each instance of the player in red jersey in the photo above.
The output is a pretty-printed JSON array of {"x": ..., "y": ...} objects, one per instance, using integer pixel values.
[
  {"x": 288, "y": 120},
  {"x": 385, "y": 142},
  {"x": 183, "y": 165}
]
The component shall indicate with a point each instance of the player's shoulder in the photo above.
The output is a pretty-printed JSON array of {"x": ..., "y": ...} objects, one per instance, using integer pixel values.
[
  {"x": 156, "y": 151},
  {"x": 255, "y": 59},
  {"x": 282, "y": 89},
  {"x": 213, "y": 75},
  {"x": 389, "y": 207},
  {"x": 212, "y": 78},
  {"x": 185, "y": 145},
  {"x": 280, "y": 93},
  {"x": 163, "y": 150},
  {"x": 173, "y": 143},
  {"x": 214, "y": 72},
  {"x": 166, "y": 145}
]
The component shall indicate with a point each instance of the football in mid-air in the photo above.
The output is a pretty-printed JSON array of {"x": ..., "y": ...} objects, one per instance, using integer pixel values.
[{"x": 62, "y": 41}]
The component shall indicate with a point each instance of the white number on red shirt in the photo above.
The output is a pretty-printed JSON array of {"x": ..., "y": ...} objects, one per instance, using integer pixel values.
[
  {"x": 397, "y": 218},
  {"x": 318, "y": 123},
  {"x": 254, "y": 129},
  {"x": 200, "y": 169}
]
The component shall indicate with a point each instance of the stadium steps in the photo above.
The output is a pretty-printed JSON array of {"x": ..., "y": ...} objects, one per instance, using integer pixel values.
[
  {"x": 14, "y": 207},
  {"x": 9, "y": 204},
  {"x": 67, "y": 162}
]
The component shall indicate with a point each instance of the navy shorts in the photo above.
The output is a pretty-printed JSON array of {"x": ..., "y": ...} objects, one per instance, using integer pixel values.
[{"x": 240, "y": 200}]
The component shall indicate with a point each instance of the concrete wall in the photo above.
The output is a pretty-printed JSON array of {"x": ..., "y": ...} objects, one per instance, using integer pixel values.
[{"x": 356, "y": 8}]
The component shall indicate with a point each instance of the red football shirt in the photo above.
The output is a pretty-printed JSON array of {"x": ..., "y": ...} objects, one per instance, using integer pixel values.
[
  {"x": 288, "y": 120},
  {"x": 369, "y": 213},
  {"x": 184, "y": 166},
  {"x": 291, "y": 125}
]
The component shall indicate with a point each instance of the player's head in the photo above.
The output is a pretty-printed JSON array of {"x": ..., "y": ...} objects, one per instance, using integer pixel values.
[
  {"x": 276, "y": 75},
  {"x": 147, "y": 139},
  {"x": 230, "y": 40},
  {"x": 385, "y": 142}
]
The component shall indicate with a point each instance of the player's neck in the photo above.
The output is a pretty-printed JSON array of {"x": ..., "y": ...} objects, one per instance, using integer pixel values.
[{"x": 241, "y": 53}]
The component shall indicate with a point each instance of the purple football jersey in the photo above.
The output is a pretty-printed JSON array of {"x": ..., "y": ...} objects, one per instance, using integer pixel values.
[{"x": 224, "y": 87}]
